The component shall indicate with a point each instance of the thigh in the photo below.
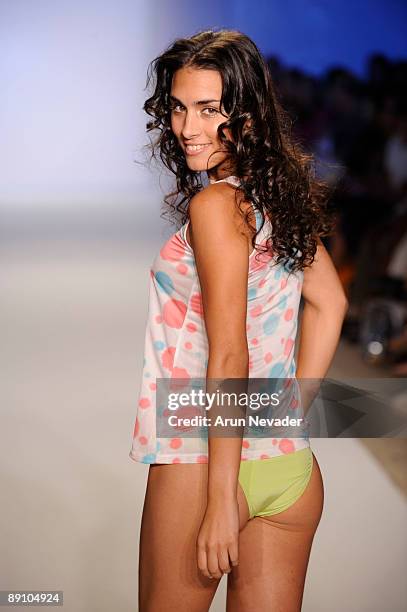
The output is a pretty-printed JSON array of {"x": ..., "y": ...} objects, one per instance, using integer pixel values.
[
  {"x": 174, "y": 506},
  {"x": 274, "y": 553}
]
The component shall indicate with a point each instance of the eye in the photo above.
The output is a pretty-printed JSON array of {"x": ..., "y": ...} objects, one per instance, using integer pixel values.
[
  {"x": 176, "y": 108},
  {"x": 210, "y": 111}
]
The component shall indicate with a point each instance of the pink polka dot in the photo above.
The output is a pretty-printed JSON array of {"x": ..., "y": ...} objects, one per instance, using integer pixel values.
[
  {"x": 152, "y": 386},
  {"x": 151, "y": 274},
  {"x": 188, "y": 345},
  {"x": 191, "y": 327},
  {"x": 180, "y": 373},
  {"x": 259, "y": 261},
  {"x": 264, "y": 456},
  {"x": 288, "y": 346},
  {"x": 254, "y": 341},
  {"x": 282, "y": 340},
  {"x": 176, "y": 443},
  {"x": 182, "y": 427},
  {"x": 174, "y": 313},
  {"x": 262, "y": 282},
  {"x": 294, "y": 403},
  {"x": 136, "y": 428},
  {"x": 250, "y": 364},
  {"x": 173, "y": 250},
  {"x": 202, "y": 459},
  {"x": 182, "y": 268},
  {"x": 245, "y": 444},
  {"x": 274, "y": 441},
  {"x": 143, "y": 440},
  {"x": 270, "y": 299},
  {"x": 256, "y": 311},
  {"x": 268, "y": 357},
  {"x": 286, "y": 446},
  {"x": 283, "y": 283},
  {"x": 158, "y": 319},
  {"x": 243, "y": 458},
  {"x": 176, "y": 460},
  {"x": 196, "y": 304},
  {"x": 288, "y": 315},
  {"x": 144, "y": 402},
  {"x": 167, "y": 357},
  {"x": 256, "y": 266},
  {"x": 177, "y": 385}
]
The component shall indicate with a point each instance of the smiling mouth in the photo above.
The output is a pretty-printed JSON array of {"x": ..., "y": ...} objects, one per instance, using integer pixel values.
[{"x": 190, "y": 149}]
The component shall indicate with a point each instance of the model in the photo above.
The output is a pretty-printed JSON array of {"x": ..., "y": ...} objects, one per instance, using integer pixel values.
[{"x": 224, "y": 300}]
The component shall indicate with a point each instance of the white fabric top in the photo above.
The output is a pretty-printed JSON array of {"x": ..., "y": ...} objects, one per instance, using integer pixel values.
[{"x": 176, "y": 344}]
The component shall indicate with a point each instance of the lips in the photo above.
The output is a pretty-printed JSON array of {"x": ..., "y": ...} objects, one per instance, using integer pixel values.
[{"x": 196, "y": 148}]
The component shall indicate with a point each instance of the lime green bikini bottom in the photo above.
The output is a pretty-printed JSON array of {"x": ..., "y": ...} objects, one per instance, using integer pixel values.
[{"x": 273, "y": 485}]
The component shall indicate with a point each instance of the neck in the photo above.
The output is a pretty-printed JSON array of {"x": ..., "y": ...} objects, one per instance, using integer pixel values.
[
  {"x": 219, "y": 173},
  {"x": 223, "y": 178}
]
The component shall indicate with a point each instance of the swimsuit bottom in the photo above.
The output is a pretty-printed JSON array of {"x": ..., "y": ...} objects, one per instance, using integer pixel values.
[{"x": 273, "y": 485}]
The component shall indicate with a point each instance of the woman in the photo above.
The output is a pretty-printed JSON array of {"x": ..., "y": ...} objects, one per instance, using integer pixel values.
[{"x": 224, "y": 305}]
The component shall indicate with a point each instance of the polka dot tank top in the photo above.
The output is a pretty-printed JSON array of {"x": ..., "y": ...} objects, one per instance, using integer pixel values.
[{"x": 176, "y": 344}]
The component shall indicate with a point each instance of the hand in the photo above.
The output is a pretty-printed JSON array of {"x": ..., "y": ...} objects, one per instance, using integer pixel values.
[{"x": 217, "y": 542}]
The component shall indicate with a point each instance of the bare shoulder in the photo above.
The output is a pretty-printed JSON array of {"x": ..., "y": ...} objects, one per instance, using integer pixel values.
[
  {"x": 220, "y": 205},
  {"x": 211, "y": 197}
]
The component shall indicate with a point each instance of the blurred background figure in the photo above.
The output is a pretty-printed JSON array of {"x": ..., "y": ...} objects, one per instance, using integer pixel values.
[{"x": 357, "y": 128}]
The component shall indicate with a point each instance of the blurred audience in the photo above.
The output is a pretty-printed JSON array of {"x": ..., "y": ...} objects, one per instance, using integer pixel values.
[{"x": 357, "y": 129}]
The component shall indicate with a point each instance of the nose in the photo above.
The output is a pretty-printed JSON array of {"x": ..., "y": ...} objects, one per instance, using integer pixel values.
[{"x": 191, "y": 125}]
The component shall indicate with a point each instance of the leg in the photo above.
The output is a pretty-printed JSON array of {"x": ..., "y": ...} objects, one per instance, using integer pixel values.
[
  {"x": 274, "y": 553},
  {"x": 175, "y": 503}
]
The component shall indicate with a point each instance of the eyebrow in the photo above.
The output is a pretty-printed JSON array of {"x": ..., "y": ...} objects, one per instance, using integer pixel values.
[{"x": 196, "y": 103}]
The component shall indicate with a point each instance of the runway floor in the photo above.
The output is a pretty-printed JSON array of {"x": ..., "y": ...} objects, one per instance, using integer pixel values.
[{"x": 73, "y": 328}]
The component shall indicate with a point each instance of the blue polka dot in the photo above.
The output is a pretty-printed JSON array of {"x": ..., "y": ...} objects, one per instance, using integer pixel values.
[
  {"x": 196, "y": 384},
  {"x": 159, "y": 345},
  {"x": 251, "y": 294},
  {"x": 165, "y": 282},
  {"x": 277, "y": 273},
  {"x": 283, "y": 303},
  {"x": 270, "y": 324},
  {"x": 147, "y": 374},
  {"x": 150, "y": 458},
  {"x": 277, "y": 371},
  {"x": 157, "y": 446}
]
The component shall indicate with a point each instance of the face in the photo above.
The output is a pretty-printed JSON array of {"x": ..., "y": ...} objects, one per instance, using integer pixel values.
[{"x": 195, "y": 117}]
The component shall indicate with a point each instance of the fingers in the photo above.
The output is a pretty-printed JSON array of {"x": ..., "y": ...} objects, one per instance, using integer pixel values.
[
  {"x": 203, "y": 561},
  {"x": 214, "y": 562},
  {"x": 234, "y": 554},
  {"x": 223, "y": 561}
]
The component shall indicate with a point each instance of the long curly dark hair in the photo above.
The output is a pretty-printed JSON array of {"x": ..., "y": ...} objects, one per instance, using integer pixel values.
[{"x": 277, "y": 175}]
